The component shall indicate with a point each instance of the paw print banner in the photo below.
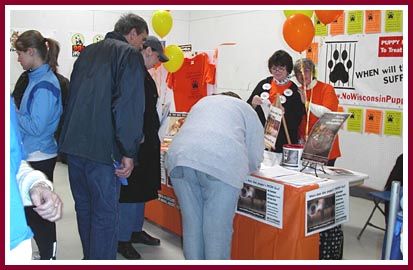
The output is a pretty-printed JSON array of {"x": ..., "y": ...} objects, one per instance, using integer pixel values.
[{"x": 365, "y": 70}]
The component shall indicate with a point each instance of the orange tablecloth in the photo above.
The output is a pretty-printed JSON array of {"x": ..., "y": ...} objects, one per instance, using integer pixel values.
[
  {"x": 167, "y": 216},
  {"x": 252, "y": 239}
]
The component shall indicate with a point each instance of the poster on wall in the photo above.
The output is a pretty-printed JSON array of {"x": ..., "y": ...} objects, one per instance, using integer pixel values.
[
  {"x": 326, "y": 207},
  {"x": 373, "y": 121},
  {"x": 79, "y": 40},
  {"x": 393, "y": 123},
  {"x": 355, "y": 121},
  {"x": 15, "y": 32},
  {"x": 14, "y": 35},
  {"x": 365, "y": 70},
  {"x": 78, "y": 44},
  {"x": 262, "y": 200}
]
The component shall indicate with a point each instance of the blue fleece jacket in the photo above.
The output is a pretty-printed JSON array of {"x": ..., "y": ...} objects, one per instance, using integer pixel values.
[{"x": 40, "y": 111}]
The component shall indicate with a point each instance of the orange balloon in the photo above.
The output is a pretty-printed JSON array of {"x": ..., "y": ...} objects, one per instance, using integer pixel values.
[
  {"x": 328, "y": 16},
  {"x": 298, "y": 32}
]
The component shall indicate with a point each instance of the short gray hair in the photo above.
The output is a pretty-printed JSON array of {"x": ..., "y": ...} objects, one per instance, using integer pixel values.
[
  {"x": 129, "y": 21},
  {"x": 304, "y": 64}
]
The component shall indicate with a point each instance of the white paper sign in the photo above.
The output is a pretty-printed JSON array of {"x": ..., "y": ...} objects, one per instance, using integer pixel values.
[
  {"x": 326, "y": 207},
  {"x": 262, "y": 200}
]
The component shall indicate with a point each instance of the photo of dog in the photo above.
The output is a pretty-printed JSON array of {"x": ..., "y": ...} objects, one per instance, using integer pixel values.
[
  {"x": 252, "y": 200},
  {"x": 320, "y": 212}
]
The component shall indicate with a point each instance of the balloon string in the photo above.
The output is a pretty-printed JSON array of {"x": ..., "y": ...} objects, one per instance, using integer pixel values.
[
  {"x": 308, "y": 114},
  {"x": 304, "y": 82},
  {"x": 307, "y": 103},
  {"x": 304, "y": 93}
]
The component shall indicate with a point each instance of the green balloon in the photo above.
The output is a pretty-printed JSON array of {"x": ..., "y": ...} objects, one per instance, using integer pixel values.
[{"x": 308, "y": 13}]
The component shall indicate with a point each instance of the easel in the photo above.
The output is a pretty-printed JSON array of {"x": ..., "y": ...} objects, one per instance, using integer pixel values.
[{"x": 312, "y": 165}]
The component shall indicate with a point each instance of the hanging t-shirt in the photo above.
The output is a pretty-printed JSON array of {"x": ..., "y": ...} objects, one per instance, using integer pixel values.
[{"x": 189, "y": 83}]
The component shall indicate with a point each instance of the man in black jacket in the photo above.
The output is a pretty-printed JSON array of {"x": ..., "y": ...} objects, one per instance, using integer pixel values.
[
  {"x": 103, "y": 123},
  {"x": 145, "y": 179}
]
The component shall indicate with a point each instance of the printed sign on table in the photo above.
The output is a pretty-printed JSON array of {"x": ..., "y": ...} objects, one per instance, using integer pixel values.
[
  {"x": 262, "y": 200},
  {"x": 326, "y": 207}
]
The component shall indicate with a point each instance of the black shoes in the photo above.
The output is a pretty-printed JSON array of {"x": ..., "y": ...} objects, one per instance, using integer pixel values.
[
  {"x": 144, "y": 238},
  {"x": 128, "y": 251}
]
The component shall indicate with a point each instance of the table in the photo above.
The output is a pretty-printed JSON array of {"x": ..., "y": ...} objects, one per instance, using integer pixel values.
[
  {"x": 354, "y": 179},
  {"x": 253, "y": 239}
]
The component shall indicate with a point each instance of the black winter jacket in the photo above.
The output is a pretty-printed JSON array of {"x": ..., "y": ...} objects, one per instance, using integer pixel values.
[
  {"x": 106, "y": 102},
  {"x": 145, "y": 179}
]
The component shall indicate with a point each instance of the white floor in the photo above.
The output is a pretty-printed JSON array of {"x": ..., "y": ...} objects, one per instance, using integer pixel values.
[{"x": 69, "y": 248}]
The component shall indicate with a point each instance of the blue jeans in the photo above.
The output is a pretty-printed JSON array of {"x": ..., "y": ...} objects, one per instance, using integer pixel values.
[
  {"x": 96, "y": 191},
  {"x": 207, "y": 208},
  {"x": 131, "y": 218}
]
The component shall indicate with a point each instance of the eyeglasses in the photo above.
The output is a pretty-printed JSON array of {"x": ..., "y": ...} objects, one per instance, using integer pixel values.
[
  {"x": 278, "y": 69},
  {"x": 300, "y": 74}
]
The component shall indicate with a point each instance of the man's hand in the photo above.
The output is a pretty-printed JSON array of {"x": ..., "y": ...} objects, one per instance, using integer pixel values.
[
  {"x": 47, "y": 203},
  {"x": 126, "y": 167}
]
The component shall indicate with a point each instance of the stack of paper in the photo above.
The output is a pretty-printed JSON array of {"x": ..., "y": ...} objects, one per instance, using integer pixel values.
[{"x": 292, "y": 177}]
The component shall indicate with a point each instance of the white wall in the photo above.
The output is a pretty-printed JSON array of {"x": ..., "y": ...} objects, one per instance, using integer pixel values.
[
  {"x": 64, "y": 22},
  {"x": 258, "y": 33}
]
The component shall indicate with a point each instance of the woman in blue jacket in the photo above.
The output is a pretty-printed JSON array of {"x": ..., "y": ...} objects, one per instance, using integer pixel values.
[{"x": 38, "y": 118}]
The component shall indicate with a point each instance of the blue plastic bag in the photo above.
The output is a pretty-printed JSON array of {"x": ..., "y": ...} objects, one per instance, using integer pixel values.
[{"x": 122, "y": 180}]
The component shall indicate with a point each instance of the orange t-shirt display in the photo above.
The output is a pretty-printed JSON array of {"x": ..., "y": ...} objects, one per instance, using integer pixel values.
[{"x": 189, "y": 83}]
